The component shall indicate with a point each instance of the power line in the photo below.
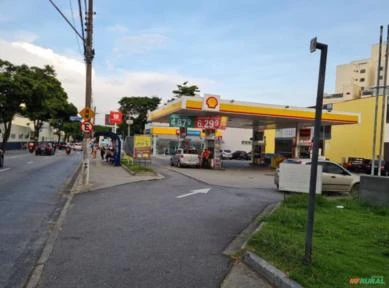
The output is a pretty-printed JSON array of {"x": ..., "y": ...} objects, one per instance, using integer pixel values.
[
  {"x": 74, "y": 24},
  {"x": 82, "y": 22},
  {"x": 66, "y": 19}
]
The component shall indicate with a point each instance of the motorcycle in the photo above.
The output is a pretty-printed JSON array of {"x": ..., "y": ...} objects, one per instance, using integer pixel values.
[
  {"x": 31, "y": 147},
  {"x": 68, "y": 150}
]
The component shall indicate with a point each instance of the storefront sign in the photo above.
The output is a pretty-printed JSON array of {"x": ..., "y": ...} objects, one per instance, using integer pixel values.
[
  {"x": 305, "y": 133},
  {"x": 211, "y": 103},
  {"x": 142, "y": 147},
  {"x": 115, "y": 117},
  {"x": 181, "y": 121}
]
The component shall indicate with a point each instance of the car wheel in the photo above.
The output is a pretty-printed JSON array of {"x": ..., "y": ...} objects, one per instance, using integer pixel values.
[
  {"x": 1, "y": 162},
  {"x": 171, "y": 163},
  {"x": 355, "y": 189}
]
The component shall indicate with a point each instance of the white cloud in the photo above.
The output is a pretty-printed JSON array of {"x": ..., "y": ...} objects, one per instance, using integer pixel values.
[
  {"x": 138, "y": 44},
  {"x": 18, "y": 35},
  {"x": 120, "y": 29},
  {"x": 108, "y": 89}
]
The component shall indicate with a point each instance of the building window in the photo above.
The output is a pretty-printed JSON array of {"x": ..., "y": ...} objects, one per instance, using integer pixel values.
[
  {"x": 21, "y": 136},
  {"x": 362, "y": 80},
  {"x": 381, "y": 68},
  {"x": 381, "y": 77},
  {"x": 362, "y": 71},
  {"x": 13, "y": 136}
]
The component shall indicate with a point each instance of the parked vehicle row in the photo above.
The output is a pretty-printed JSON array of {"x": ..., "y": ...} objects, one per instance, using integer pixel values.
[{"x": 362, "y": 165}]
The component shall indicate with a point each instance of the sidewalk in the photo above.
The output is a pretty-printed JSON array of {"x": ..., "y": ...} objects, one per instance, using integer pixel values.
[
  {"x": 105, "y": 175},
  {"x": 238, "y": 178}
]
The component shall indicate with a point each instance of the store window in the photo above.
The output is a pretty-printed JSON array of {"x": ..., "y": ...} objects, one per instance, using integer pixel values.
[{"x": 325, "y": 132}]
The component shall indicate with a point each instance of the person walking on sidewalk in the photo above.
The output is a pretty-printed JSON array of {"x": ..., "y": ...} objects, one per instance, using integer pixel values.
[{"x": 102, "y": 152}]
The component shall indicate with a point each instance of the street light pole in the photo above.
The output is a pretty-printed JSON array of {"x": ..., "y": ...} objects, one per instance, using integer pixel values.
[
  {"x": 315, "y": 150},
  {"x": 89, "y": 54}
]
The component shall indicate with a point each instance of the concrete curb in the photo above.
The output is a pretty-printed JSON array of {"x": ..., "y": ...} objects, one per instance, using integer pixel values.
[
  {"x": 240, "y": 241},
  {"x": 34, "y": 278},
  {"x": 275, "y": 276}
]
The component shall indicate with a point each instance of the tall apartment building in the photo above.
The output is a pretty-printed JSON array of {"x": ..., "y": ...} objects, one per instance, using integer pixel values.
[{"x": 358, "y": 79}]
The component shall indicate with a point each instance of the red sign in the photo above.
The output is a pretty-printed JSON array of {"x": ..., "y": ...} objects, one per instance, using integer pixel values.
[
  {"x": 210, "y": 122},
  {"x": 305, "y": 133},
  {"x": 86, "y": 127},
  {"x": 115, "y": 117}
]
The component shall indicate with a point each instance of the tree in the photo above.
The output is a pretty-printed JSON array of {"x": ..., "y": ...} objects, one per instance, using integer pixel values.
[
  {"x": 73, "y": 130},
  {"x": 47, "y": 98},
  {"x": 137, "y": 108},
  {"x": 184, "y": 90},
  {"x": 15, "y": 87},
  {"x": 62, "y": 117}
]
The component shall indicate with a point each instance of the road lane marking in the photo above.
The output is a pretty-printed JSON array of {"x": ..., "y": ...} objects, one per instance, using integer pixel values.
[
  {"x": 5, "y": 169},
  {"x": 194, "y": 192},
  {"x": 30, "y": 162}
]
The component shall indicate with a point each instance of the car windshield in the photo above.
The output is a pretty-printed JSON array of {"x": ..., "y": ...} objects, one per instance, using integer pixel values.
[
  {"x": 227, "y": 151},
  {"x": 190, "y": 151}
]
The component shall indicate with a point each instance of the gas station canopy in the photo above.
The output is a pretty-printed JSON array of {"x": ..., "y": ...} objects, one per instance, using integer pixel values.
[{"x": 246, "y": 114}]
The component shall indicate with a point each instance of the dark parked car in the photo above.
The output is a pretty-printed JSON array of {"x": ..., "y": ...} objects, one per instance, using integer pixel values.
[
  {"x": 384, "y": 168},
  {"x": 61, "y": 146},
  {"x": 240, "y": 155},
  {"x": 45, "y": 149},
  {"x": 359, "y": 165},
  {"x": 1, "y": 158}
]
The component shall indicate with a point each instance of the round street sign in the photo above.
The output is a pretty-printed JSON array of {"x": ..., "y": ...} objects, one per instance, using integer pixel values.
[{"x": 86, "y": 127}]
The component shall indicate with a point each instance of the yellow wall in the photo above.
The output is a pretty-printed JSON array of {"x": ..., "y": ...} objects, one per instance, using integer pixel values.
[
  {"x": 270, "y": 135},
  {"x": 354, "y": 140}
]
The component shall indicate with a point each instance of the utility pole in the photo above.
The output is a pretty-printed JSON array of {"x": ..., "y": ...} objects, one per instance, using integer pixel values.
[
  {"x": 373, "y": 156},
  {"x": 315, "y": 149},
  {"x": 89, "y": 54},
  {"x": 382, "y": 131}
]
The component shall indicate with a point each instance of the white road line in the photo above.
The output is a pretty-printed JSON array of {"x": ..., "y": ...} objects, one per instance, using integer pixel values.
[
  {"x": 30, "y": 162},
  {"x": 198, "y": 191},
  {"x": 5, "y": 169}
]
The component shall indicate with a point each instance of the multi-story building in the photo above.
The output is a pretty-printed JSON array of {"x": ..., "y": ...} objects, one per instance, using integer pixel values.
[
  {"x": 355, "y": 91},
  {"x": 358, "y": 79}
]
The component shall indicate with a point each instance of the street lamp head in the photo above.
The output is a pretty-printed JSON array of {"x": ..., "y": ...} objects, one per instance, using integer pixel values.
[{"x": 313, "y": 44}]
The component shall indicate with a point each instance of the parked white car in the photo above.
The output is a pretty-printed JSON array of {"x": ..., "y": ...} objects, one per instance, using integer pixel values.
[
  {"x": 185, "y": 157},
  {"x": 77, "y": 146},
  {"x": 335, "y": 178},
  {"x": 226, "y": 154}
]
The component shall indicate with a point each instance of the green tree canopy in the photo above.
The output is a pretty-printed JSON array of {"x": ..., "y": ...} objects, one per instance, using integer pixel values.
[
  {"x": 47, "y": 99},
  {"x": 185, "y": 90},
  {"x": 136, "y": 108},
  {"x": 15, "y": 88}
]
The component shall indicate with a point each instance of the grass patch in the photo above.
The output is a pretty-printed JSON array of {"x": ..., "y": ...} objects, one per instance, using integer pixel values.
[
  {"x": 127, "y": 161},
  {"x": 349, "y": 242}
]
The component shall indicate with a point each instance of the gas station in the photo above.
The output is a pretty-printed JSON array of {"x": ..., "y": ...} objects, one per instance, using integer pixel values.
[{"x": 212, "y": 114}]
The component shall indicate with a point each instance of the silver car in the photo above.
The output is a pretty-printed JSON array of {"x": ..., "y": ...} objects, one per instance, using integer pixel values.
[
  {"x": 185, "y": 157},
  {"x": 335, "y": 178}
]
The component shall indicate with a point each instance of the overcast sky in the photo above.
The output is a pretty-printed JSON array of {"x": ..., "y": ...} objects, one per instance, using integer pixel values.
[{"x": 243, "y": 50}]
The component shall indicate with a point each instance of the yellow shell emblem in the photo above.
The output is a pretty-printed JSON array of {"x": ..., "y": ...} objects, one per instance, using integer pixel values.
[{"x": 212, "y": 102}]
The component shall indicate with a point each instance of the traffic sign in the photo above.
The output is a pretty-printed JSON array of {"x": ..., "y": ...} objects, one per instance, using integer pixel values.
[
  {"x": 87, "y": 113},
  {"x": 86, "y": 127},
  {"x": 75, "y": 118}
]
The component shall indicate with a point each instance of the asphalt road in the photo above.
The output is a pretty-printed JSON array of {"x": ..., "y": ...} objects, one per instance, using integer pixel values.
[
  {"x": 30, "y": 198},
  {"x": 142, "y": 235}
]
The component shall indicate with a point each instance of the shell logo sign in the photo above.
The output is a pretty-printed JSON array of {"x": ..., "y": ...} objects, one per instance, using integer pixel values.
[{"x": 211, "y": 103}]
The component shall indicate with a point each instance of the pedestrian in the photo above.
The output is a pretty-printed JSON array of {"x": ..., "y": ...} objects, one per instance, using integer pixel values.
[
  {"x": 102, "y": 152},
  {"x": 205, "y": 158},
  {"x": 94, "y": 151}
]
